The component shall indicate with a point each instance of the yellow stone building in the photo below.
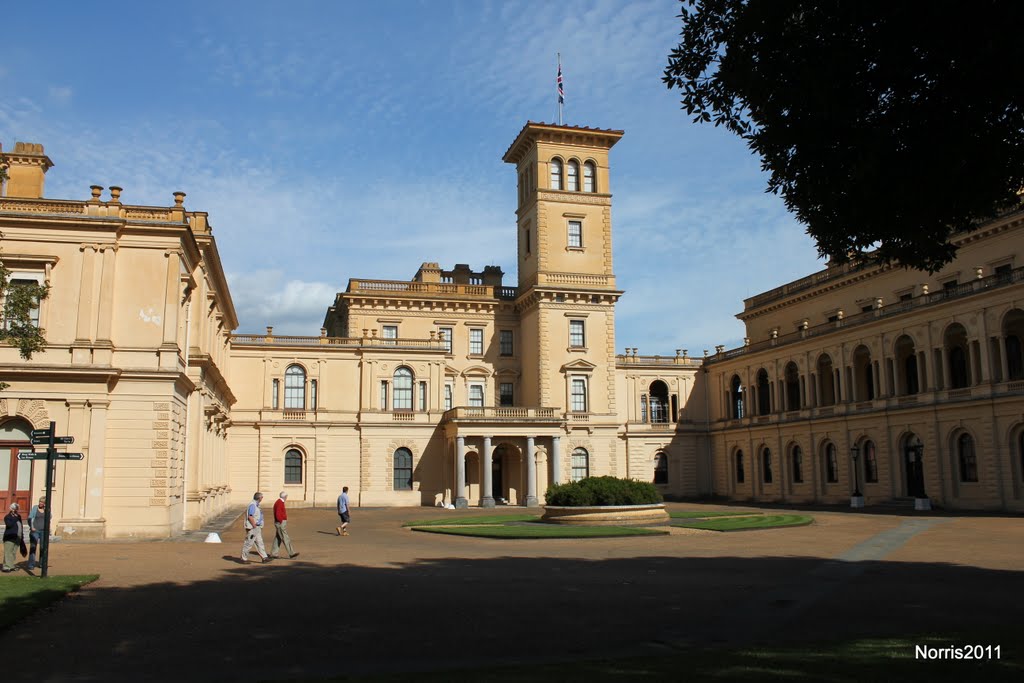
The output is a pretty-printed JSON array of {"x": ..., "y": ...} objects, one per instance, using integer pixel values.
[{"x": 456, "y": 388}]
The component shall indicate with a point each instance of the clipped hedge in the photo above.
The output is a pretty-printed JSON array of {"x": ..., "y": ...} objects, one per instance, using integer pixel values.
[{"x": 602, "y": 491}]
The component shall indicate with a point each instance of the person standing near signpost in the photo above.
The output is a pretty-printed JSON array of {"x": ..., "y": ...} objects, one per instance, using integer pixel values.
[
  {"x": 12, "y": 538},
  {"x": 36, "y": 526}
]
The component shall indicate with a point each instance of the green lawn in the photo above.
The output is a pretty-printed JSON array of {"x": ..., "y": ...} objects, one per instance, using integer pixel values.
[
  {"x": 541, "y": 531},
  {"x": 486, "y": 519},
  {"x": 697, "y": 514},
  {"x": 876, "y": 659},
  {"x": 746, "y": 523},
  {"x": 23, "y": 595}
]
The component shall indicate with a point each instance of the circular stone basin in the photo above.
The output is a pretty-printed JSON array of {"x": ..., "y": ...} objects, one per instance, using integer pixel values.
[{"x": 607, "y": 515}]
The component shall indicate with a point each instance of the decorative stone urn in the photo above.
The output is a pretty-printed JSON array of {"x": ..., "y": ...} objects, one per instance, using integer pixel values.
[{"x": 607, "y": 515}]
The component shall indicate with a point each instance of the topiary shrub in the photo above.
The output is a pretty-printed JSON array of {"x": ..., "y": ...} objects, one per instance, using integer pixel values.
[{"x": 595, "y": 491}]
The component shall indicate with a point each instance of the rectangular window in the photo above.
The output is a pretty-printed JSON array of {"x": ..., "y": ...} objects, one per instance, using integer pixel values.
[
  {"x": 448, "y": 401},
  {"x": 476, "y": 395},
  {"x": 949, "y": 284},
  {"x": 422, "y": 398},
  {"x": 383, "y": 395},
  {"x": 312, "y": 394},
  {"x": 446, "y": 338},
  {"x": 579, "y": 395},
  {"x": 906, "y": 297},
  {"x": 476, "y": 341},
  {"x": 577, "y": 338},
  {"x": 580, "y": 465},
  {"x": 275, "y": 393},
  {"x": 527, "y": 240},
  {"x": 33, "y": 313},
  {"x": 575, "y": 233},
  {"x": 505, "y": 343},
  {"x": 505, "y": 393},
  {"x": 867, "y": 309},
  {"x": 390, "y": 333}
]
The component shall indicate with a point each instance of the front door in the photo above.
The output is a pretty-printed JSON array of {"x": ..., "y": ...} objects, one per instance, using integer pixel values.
[{"x": 15, "y": 475}]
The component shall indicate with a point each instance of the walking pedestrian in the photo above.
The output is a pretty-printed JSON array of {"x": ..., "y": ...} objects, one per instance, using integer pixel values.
[
  {"x": 343, "y": 512},
  {"x": 254, "y": 529},
  {"x": 281, "y": 537},
  {"x": 12, "y": 538},
  {"x": 36, "y": 526}
]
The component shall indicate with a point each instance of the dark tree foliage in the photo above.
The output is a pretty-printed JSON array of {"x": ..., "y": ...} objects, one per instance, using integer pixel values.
[{"x": 885, "y": 126}]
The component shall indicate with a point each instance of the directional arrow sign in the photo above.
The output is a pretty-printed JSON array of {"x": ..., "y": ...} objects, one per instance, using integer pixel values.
[
  {"x": 33, "y": 455},
  {"x": 64, "y": 439},
  {"x": 40, "y": 433},
  {"x": 40, "y": 440}
]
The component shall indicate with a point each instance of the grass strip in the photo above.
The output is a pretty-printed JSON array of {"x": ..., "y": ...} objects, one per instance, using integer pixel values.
[
  {"x": 888, "y": 659},
  {"x": 697, "y": 514},
  {"x": 20, "y": 596},
  {"x": 541, "y": 531},
  {"x": 746, "y": 523},
  {"x": 469, "y": 521}
]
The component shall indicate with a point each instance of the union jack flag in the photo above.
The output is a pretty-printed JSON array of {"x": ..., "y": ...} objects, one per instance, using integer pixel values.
[{"x": 561, "y": 93}]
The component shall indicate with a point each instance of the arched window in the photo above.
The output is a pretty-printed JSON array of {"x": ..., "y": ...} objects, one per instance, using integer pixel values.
[
  {"x": 293, "y": 467},
  {"x": 740, "y": 474},
  {"x": 831, "y": 464},
  {"x": 555, "y": 166},
  {"x": 863, "y": 375},
  {"x": 956, "y": 347},
  {"x": 736, "y": 398},
  {"x": 643, "y": 408},
  {"x": 659, "y": 401},
  {"x": 589, "y": 177},
  {"x": 401, "y": 389},
  {"x": 968, "y": 459},
  {"x": 403, "y": 469},
  {"x": 573, "y": 176},
  {"x": 766, "y": 460},
  {"x": 580, "y": 464},
  {"x": 826, "y": 380},
  {"x": 797, "y": 456},
  {"x": 792, "y": 387},
  {"x": 906, "y": 363},
  {"x": 870, "y": 463},
  {"x": 660, "y": 468},
  {"x": 295, "y": 388},
  {"x": 1013, "y": 332},
  {"x": 764, "y": 405}
]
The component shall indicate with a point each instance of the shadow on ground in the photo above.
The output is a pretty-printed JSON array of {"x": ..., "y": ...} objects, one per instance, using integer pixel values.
[{"x": 292, "y": 619}]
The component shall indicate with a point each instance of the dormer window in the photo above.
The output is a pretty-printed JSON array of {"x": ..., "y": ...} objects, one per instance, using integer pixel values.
[
  {"x": 555, "y": 167},
  {"x": 573, "y": 177}
]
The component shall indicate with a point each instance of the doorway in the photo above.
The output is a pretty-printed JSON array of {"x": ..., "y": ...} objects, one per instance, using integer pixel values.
[
  {"x": 15, "y": 475},
  {"x": 914, "y": 468}
]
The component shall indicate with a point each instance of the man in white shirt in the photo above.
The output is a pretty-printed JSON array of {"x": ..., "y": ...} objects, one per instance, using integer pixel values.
[{"x": 254, "y": 529}]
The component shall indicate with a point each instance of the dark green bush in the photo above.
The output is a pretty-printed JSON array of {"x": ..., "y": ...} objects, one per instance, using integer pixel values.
[{"x": 602, "y": 491}]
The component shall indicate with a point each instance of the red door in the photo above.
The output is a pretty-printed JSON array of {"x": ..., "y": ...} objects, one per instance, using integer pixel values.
[{"x": 15, "y": 476}]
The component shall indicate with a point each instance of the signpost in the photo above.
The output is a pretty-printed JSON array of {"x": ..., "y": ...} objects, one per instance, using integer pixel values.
[{"x": 46, "y": 437}]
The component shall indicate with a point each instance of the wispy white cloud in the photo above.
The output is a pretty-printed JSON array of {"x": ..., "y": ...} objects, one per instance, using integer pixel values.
[{"x": 61, "y": 94}]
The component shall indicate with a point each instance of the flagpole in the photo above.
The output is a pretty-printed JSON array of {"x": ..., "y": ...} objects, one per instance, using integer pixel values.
[{"x": 561, "y": 97}]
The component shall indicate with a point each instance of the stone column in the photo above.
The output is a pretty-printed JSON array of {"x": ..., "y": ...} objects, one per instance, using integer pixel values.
[
  {"x": 487, "y": 494},
  {"x": 460, "y": 472},
  {"x": 946, "y": 374},
  {"x": 531, "y": 473},
  {"x": 556, "y": 460}
]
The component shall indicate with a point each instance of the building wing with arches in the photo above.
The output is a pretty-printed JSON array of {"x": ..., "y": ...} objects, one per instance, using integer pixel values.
[{"x": 454, "y": 387}]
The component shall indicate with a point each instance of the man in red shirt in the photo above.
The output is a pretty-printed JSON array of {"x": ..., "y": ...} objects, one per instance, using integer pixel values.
[{"x": 281, "y": 537}]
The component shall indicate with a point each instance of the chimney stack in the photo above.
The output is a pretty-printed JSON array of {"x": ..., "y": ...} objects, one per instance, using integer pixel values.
[{"x": 26, "y": 168}]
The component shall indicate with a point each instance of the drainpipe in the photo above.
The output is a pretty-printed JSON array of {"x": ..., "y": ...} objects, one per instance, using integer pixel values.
[
  {"x": 707, "y": 432},
  {"x": 188, "y": 421}
]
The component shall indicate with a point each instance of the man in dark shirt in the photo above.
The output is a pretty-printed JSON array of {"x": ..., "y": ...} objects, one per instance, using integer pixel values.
[{"x": 281, "y": 537}]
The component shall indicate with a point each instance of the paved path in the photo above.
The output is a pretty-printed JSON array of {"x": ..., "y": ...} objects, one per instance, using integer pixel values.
[{"x": 388, "y": 599}]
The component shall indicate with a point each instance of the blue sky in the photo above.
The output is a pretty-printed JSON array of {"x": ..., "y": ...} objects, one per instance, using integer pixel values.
[{"x": 332, "y": 140}]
